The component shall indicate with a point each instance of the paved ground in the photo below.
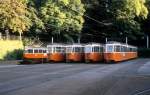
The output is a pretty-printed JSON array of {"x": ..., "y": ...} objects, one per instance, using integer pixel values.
[{"x": 126, "y": 78}]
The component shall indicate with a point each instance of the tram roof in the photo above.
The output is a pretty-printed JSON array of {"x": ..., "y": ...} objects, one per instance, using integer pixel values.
[
  {"x": 93, "y": 44},
  {"x": 118, "y": 43},
  {"x": 31, "y": 47},
  {"x": 113, "y": 42},
  {"x": 75, "y": 45},
  {"x": 56, "y": 44}
]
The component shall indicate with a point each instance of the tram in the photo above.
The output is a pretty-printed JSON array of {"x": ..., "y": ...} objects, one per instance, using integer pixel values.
[
  {"x": 116, "y": 52},
  {"x": 56, "y": 52},
  {"x": 75, "y": 53},
  {"x": 35, "y": 55},
  {"x": 93, "y": 52}
]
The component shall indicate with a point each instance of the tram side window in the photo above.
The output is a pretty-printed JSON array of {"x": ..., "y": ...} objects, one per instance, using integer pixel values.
[
  {"x": 69, "y": 49},
  {"x": 30, "y": 51},
  {"x": 82, "y": 49},
  {"x": 44, "y": 51},
  {"x": 122, "y": 49},
  {"x": 49, "y": 49},
  {"x": 101, "y": 49},
  {"x": 134, "y": 49},
  {"x": 109, "y": 48},
  {"x": 128, "y": 49},
  {"x": 125, "y": 49},
  {"x": 63, "y": 50},
  {"x": 96, "y": 49},
  {"x": 35, "y": 51},
  {"x": 117, "y": 48},
  {"x": 77, "y": 49},
  {"x": 40, "y": 51}
]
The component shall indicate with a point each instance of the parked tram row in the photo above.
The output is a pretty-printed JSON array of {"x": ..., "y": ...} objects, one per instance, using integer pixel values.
[{"x": 92, "y": 52}]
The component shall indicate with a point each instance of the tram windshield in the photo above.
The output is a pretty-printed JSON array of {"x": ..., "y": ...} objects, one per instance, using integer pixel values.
[
  {"x": 88, "y": 49},
  {"x": 59, "y": 49},
  {"x": 96, "y": 49},
  {"x": 77, "y": 49},
  {"x": 109, "y": 48}
]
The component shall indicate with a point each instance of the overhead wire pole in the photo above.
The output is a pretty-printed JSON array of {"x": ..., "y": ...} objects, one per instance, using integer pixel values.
[
  {"x": 106, "y": 40},
  {"x": 52, "y": 41},
  {"x": 126, "y": 40},
  {"x": 147, "y": 41}
]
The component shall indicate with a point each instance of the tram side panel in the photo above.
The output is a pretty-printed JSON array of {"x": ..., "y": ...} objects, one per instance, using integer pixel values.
[
  {"x": 75, "y": 57},
  {"x": 56, "y": 57},
  {"x": 113, "y": 57},
  {"x": 93, "y": 57}
]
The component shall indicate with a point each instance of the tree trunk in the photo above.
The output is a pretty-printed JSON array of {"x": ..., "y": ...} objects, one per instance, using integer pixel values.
[
  {"x": 7, "y": 34},
  {"x": 20, "y": 37}
]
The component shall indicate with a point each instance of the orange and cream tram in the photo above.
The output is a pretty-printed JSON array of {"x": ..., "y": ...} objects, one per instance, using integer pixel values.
[
  {"x": 56, "y": 52},
  {"x": 35, "y": 55},
  {"x": 116, "y": 52},
  {"x": 75, "y": 53},
  {"x": 93, "y": 52}
]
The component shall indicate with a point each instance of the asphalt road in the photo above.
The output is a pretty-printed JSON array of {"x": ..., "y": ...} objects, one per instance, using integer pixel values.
[{"x": 125, "y": 78}]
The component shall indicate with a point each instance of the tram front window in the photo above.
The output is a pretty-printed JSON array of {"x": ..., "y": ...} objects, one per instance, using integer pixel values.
[
  {"x": 88, "y": 49},
  {"x": 57, "y": 49},
  {"x": 109, "y": 48},
  {"x": 77, "y": 49}
]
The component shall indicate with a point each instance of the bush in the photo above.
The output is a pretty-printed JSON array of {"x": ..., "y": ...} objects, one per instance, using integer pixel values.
[
  {"x": 14, "y": 55},
  {"x": 144, "y": 52}
]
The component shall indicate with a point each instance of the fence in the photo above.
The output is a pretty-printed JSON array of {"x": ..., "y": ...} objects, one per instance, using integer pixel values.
[{"x": 10, "y": 37}]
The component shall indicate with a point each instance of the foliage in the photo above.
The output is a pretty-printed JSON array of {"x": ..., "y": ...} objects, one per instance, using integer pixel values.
[
  {"x": 67, "y": 18},
  {"x": 14, "y": 55},
  {"x": 62, "y": 15},
  {"x": 144, "y": 52},
  {"x": 127, "y": 16},
  {"x": 14, "y": 15}
]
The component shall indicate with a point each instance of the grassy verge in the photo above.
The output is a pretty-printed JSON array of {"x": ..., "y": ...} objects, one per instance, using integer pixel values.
[{"x": 11, "y": 50}]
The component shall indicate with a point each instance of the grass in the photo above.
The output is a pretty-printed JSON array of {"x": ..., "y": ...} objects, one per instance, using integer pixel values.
[{"x": 7, "y": 46}]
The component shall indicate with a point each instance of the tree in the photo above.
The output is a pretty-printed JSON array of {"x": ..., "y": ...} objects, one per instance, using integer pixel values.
[
  {"x": 98, "y": 20},
  {"x": 127, "y": 16},
  {"x": 14, "y": 16},
  {"x": 62, "y": 16}
]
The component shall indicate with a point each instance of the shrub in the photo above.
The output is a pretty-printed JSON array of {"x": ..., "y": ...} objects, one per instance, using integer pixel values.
[
  {"x": 144, "y": 52},
  {"x": 14, "y": 55}
]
